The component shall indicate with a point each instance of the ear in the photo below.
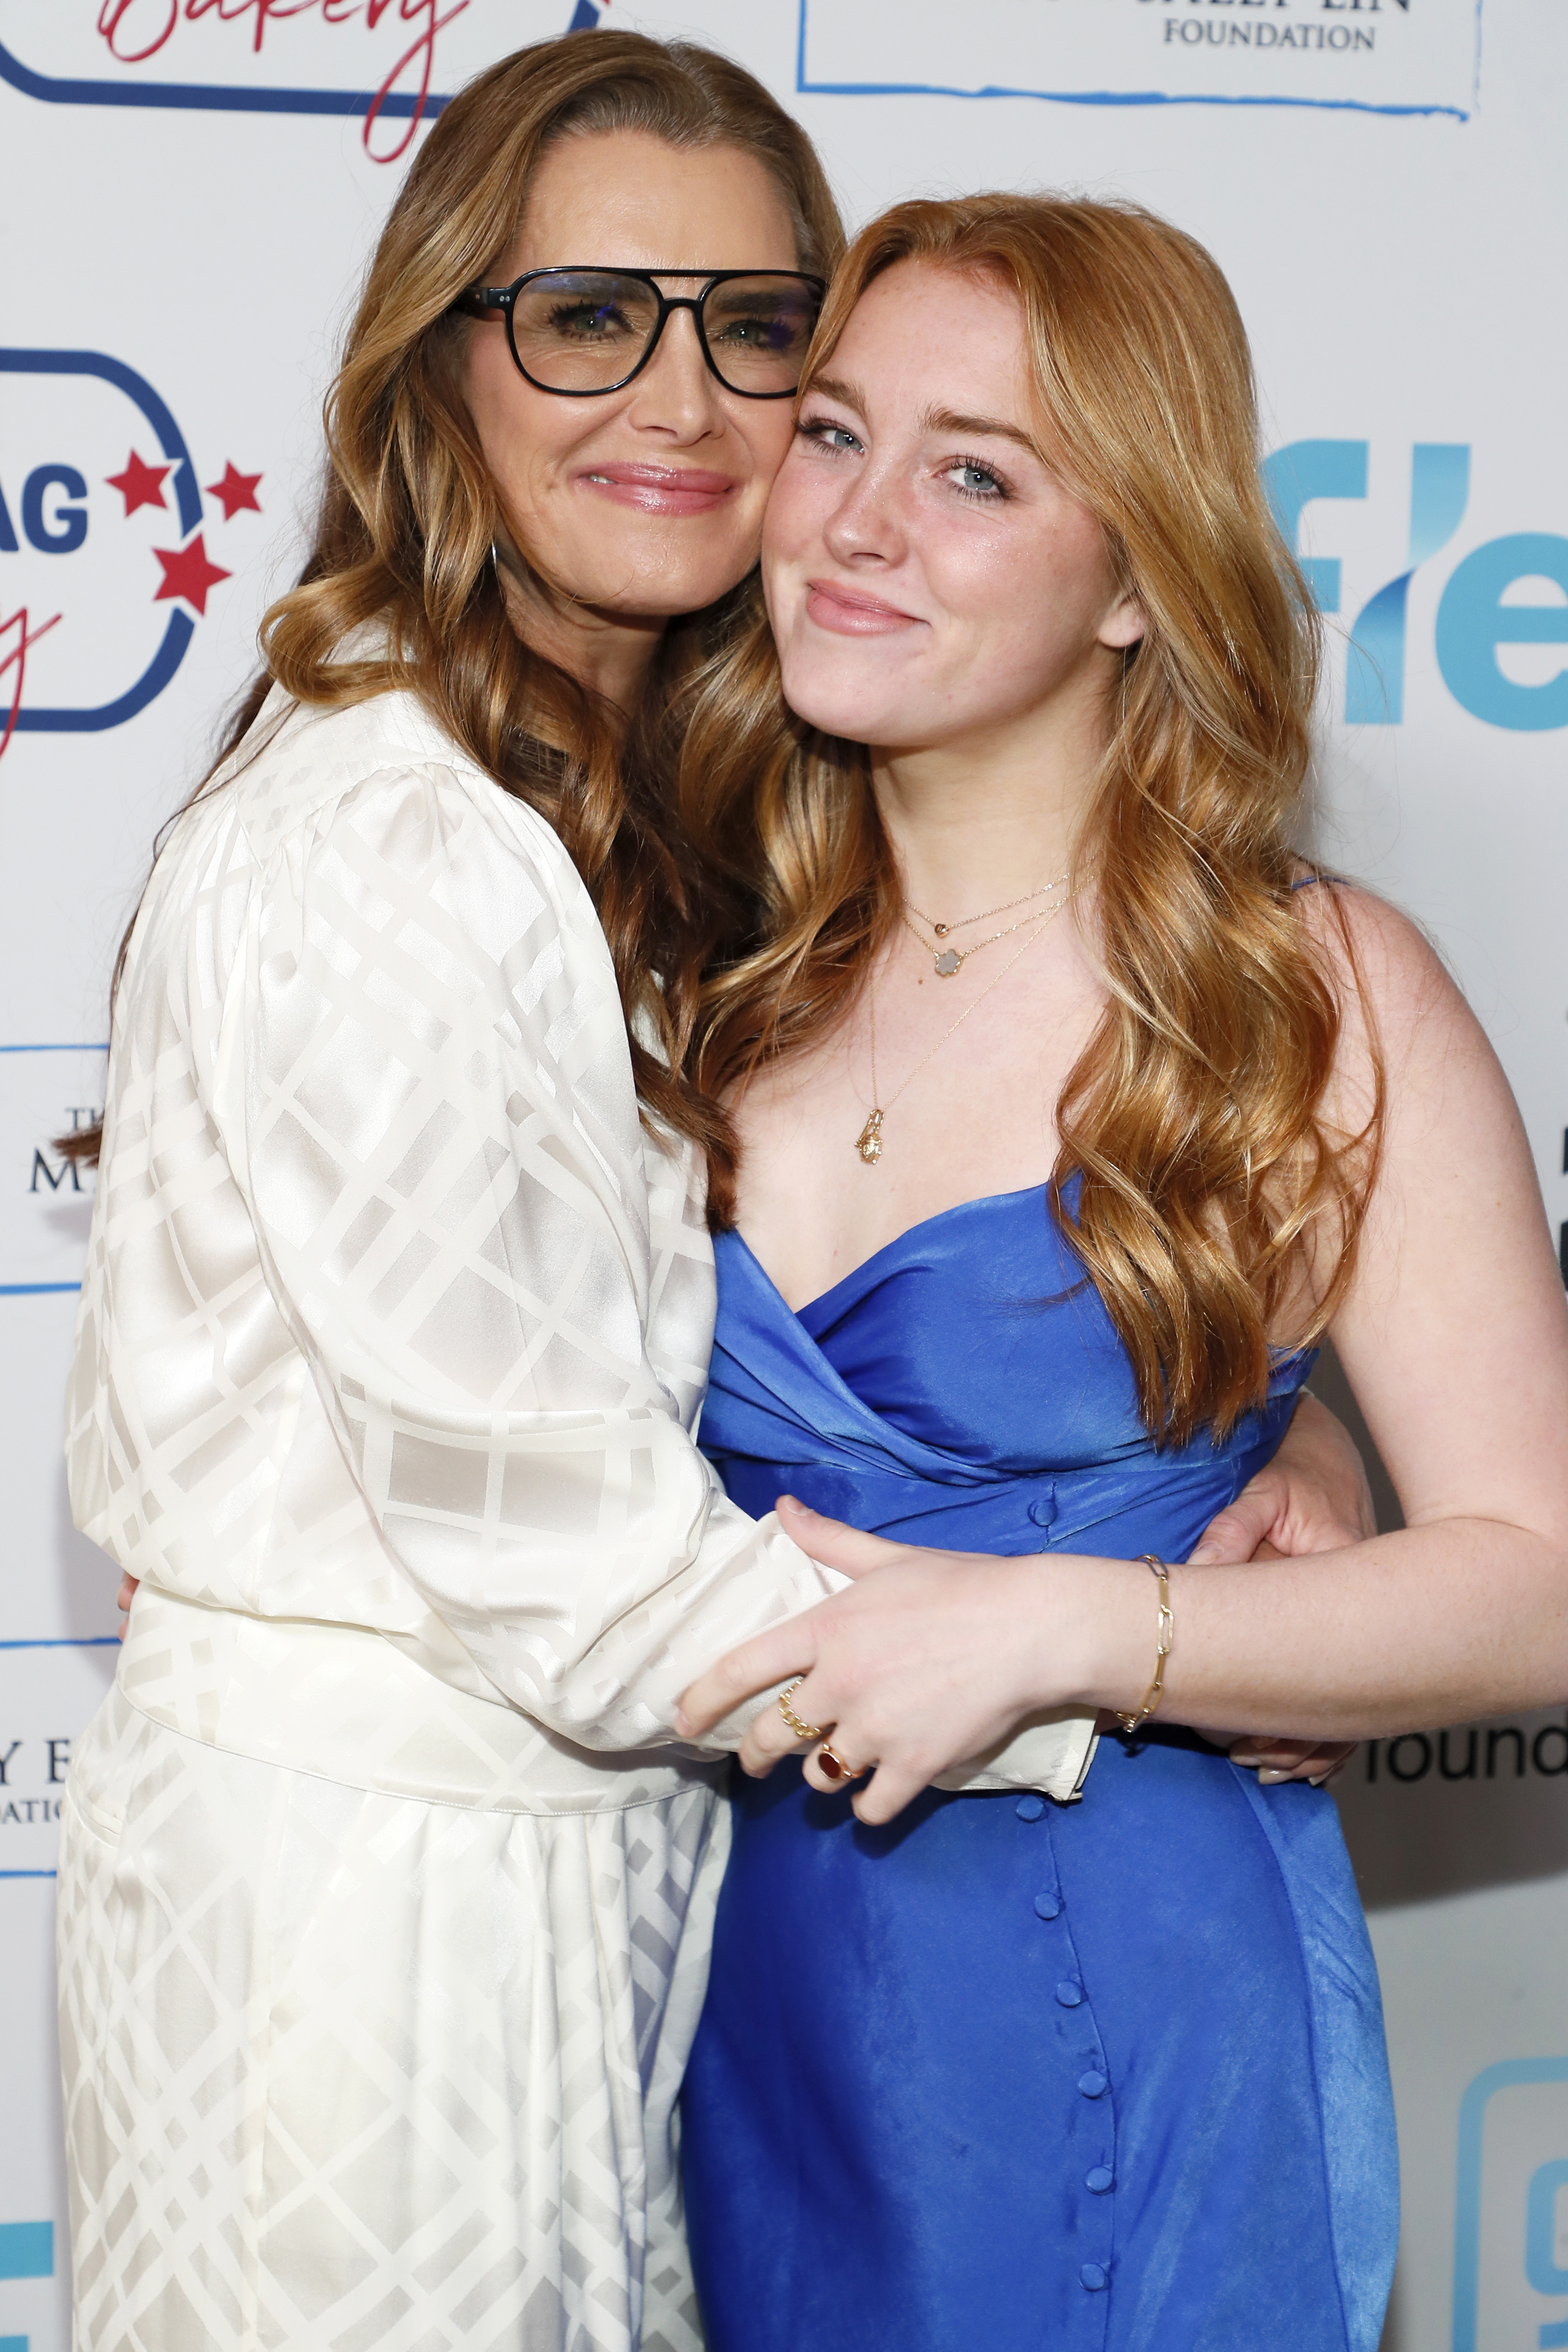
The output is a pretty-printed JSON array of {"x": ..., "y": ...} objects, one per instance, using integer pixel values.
[{"x": 1125, "y": 623}]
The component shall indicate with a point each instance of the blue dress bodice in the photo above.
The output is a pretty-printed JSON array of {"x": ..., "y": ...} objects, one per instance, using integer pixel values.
[
  {"x": 964, "y": 1386},
  {"x": 1102, "y": 2077}
]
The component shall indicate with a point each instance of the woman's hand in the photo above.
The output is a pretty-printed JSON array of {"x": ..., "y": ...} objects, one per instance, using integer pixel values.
[
  {"x": 930, "y": 1660},
  {"x": 1313, "y": 1496},
  {"x": 124, "y": 1598}
]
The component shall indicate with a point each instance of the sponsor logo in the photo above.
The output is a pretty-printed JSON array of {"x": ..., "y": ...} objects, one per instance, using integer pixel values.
[
  {"x": 1501, "y": 616},
  {"x": 46, "y": 1091},
  {"x": 1378, "y": 57},
  {"x": 388, "y": 61},
  {"x": 48, "y": 1691},
  {"x": 27, "y": 2251},
  {"x": 1510, "y": 2232},
  {"x": 105, "y": 561},
  {"x": 1492, "y": 1752}
]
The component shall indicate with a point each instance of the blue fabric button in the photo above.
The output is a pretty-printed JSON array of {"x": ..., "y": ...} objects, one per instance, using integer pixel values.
[
  {"x": 1069, "y": 1994},
  {"x": 1047, "y": 1905},
  {"x": 1099, "y": 2179},
  {"x": 1043, "y": 1510},
  {"x": 1030, "y": 1808},
  {"x": 1091, "y": 2084},
  {"x": 1094, "y": 2277}
]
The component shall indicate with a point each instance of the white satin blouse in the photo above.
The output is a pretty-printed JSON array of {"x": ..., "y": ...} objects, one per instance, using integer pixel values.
[{"x": 396, "y": 1319}]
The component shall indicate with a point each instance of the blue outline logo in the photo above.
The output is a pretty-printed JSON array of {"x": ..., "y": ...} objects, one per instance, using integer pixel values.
[
  {"x": 188, "y": 503},
  {"x": 1468, "y": 2190},
  {"x": 216, "y": 96},
  {"x": 414, "y": 106},
  {"x": 894, "y": 88}
]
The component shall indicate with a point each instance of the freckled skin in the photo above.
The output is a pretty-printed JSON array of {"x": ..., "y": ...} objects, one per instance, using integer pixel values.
[{"x": 1011, "y": 609}]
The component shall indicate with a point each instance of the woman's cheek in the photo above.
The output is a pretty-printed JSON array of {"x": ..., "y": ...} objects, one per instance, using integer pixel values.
[{"x": 796, "y": 506}]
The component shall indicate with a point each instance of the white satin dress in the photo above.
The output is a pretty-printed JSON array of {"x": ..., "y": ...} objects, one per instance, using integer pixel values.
[{"x": 386, "y": 1889}]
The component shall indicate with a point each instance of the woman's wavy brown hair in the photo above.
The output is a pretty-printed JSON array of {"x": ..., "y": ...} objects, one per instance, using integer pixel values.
[
  {"x": 1209, "y": 1178},
  {"x": 409, "y": 512}
]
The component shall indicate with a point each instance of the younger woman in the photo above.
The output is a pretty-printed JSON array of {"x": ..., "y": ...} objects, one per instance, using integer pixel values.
[{"x": 1073, "y": 1110}]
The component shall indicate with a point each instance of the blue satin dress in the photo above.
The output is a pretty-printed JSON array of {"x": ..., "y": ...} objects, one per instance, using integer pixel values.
[{"x": 1009, "y": 2076}]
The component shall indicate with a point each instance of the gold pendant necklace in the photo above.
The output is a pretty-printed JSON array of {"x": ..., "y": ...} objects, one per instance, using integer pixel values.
[{"x": 869, "y": 1142}]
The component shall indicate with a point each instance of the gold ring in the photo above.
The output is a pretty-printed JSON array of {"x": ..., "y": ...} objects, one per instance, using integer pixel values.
[
  {"x": 834, "y": 1767},
  {"x": 801, "y": 1730}
]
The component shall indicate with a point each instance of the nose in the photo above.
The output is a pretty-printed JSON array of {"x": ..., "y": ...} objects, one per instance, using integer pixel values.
[
  {"x": 867, "y": 527},
  {"x": 676, "y": 394}
]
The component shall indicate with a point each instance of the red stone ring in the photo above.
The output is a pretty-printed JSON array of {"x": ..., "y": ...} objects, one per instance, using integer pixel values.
[{"x": 834, "y": 1767}]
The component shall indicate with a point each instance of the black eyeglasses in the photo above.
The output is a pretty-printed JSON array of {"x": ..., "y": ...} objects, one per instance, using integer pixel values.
[{"x": 583, "y": 331}]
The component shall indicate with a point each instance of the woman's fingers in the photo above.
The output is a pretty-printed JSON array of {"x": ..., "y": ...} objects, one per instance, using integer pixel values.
[
  {"x": 1313, "y": 1496},
  {"x": 884, "y": 1796},
  {"x": 832, "y": 1769},
  {"x": 124, "y": 1598},
  {"x": 847, "y": 1549},
  {"x": 776, "y": 1656},
  {"x": 772, "y": 1736},
  {"x": 1292, "y": 1759},
  {"x": 1232, "y": 1538}
]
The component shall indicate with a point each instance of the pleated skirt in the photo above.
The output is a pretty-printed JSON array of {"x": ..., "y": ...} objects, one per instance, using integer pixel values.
[{"x": 347, "y": 2072}]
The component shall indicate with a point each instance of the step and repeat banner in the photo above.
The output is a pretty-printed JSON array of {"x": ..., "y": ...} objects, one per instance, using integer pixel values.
[{"x": 190, "y": 189}]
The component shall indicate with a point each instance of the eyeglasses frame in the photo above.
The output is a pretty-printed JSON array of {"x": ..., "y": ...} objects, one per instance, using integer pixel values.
[{"x": 477, "y": 300}]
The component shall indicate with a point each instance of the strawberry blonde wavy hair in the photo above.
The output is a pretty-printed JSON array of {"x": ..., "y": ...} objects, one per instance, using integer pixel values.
[
  {"x": 409, "y": 512},
  {"x": 1208, "y": 1180}
]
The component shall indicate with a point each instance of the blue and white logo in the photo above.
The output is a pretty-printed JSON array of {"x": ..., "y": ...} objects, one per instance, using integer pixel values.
[
  {"x": 1510, "y": 2220},
  {"x": 1502, "y": 611},
  {"x": 105, "y": 562},
  {"x": 1377, "y": 56}
]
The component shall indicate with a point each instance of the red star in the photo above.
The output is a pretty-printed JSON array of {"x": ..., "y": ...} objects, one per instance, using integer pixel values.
[
  {"x": 188, "y": 573},
  {"x": 236, "y": 490},
  {"x": 140, "y": 484}
]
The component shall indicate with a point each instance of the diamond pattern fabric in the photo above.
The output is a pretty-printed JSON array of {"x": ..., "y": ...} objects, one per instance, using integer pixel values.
[{"x": 351, "y": 2071}]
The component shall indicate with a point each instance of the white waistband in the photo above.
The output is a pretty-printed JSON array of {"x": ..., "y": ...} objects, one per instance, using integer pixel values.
[{"x": 346, "y": 1703}]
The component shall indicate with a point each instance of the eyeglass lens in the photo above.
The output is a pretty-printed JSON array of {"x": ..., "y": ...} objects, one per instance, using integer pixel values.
[{"x": 587, "y": 330}]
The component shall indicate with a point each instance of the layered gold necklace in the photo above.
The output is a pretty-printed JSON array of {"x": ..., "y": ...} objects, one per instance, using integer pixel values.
[
  {"x": 869, "y": 1142},
  {"x": 949, "y": 961}
]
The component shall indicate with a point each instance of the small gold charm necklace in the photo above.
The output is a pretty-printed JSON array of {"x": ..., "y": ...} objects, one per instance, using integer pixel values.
[
  {"x": 869, "y": 1142},
  {"x": 950, "y": 960}
]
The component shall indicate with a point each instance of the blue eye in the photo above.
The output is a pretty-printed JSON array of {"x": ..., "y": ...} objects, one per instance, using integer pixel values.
[
  {"x": 974, "y": 480},
  {"x": 825, "y": 433}
]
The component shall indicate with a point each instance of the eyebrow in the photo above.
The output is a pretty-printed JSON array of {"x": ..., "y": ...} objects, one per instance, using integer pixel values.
[
  {"x": 948, "y": 420},
  {"x": 933, "y": 420},
  {"x": 838, "y": 388}
]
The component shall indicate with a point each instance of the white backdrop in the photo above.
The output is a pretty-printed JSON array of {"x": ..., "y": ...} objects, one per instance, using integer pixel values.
[{"x": 189, "y": 190}]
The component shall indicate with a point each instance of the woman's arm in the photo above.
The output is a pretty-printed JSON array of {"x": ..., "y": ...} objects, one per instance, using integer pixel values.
[
  {"x": 422, "y": 1090},
  {"x": 1312, "y": 1497},
  {"x": 1455, "y": 1338}
]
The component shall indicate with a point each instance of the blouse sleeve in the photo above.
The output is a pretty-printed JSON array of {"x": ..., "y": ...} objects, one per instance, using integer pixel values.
[{"x": 422, "y": 1085}]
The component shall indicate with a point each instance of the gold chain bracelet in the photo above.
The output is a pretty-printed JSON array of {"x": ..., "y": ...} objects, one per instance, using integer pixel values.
[{"x": 1156, "y": 1690}]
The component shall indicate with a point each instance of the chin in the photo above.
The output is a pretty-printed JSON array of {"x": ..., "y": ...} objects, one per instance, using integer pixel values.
[
  {"x": 841, "y": 706},
  {"x": 665, "y": 591}
]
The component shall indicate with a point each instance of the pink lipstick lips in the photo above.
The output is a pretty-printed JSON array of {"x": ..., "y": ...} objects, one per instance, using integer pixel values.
[
  {"x": 660, "y": 490},
  {"x": 851, "y": 613}
]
